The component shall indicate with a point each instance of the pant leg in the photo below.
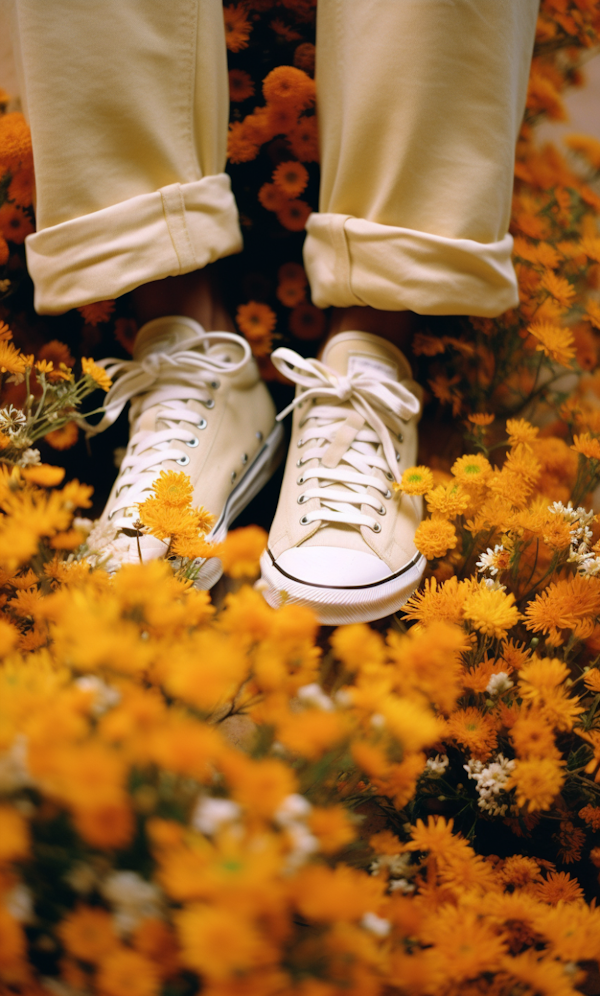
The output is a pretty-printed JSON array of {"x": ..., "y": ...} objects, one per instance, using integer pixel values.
[
  {"x": 420, "y": 103},
  {"x": 128, "y": 106}
]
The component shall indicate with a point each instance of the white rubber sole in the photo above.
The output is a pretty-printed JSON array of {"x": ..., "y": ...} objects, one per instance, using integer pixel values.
[
  {"x": 334, "y": 605},
  {"x": 258, "y": 473}
]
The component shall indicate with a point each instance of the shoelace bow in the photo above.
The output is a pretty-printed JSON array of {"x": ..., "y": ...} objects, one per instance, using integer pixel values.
[
  {"x": 162, "y": 380},
  {"x": 360, "y": 436}
]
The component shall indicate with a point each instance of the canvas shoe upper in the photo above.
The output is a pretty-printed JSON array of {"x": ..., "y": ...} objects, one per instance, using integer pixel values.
[
  {"x": 342, "y": 540},
  {"x": 198, "y": 404}
]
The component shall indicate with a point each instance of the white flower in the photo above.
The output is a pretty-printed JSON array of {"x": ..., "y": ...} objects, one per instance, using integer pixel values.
[
  {"x": 293, "y": 808},
  {"x": 487, "y": 560},
  {"x": 377, "y": 721},
  {"x": 376, "y": 924},
  {"x": 105, "y": 696},
  {"x": 343, "y": 698},
  {"x": 132, "y": 898},
  {"x": 437, "y": 765},
  {"x": 12, "y": 418},
  {"x": 314, "y": 695},
  {"x": 211, "y": 814},
  {"x": 29, "y": 458},
  {"x": 401, "y": 885},
  {"x": 491, "y": 782},
  {"x": 19, "y": 903},
  {"x": 499, "y": 683},
  {"x": 14, "y": 773}
]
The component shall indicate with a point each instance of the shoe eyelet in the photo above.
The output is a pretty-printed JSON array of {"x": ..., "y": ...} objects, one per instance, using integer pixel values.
[
  {"x": 300, "y": 443},
  {"x": 300, "y": 480},
  {"x": 376, "y": 528},
  {"x": 259, "y": 436},
  {"x": 233, "y": 476},
  {"x": 244, "y": 459},
  {"x": 389, "y": 476},
  {"x": 398, "y": 457},
  {"x": 215, "y": 384},
  {"x": 382, "y": 510},
  {"x": 304, "y": 521},
  {"x": 183, "y": 460},
  {"x": 302, "y": 499},
  {"x": 209, "y": 404},
  {"x": 202, "y": 424},
  {"x": 192, "y": 442},
  {"x": 388, "y": 494},
  {"x": 300, "y": 462}
]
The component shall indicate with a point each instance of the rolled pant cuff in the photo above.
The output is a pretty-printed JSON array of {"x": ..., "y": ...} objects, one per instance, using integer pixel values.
[
  {"x": 351, "y": 261},
  {"x": 174, "y": 230}
]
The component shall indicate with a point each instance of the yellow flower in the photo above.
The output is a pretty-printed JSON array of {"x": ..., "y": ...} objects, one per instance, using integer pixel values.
[
  {"x": 472, "y": 469},
  {"x": 537, "y": 782},
  {"x": 97, "y": 374},
  {"x": 241, "y": 551},
  {"x": 173, "y": 488},
  {"x": 555, "y": 341},
  {"x": 357, "y": 645},
  {"x": 491, "y": 611},
  {"x": 415, "y": 481},
  {"x": 11, "y": 359},
  {"x": 520, "y": 431},
  {"x": 473, "y": 730},
  {"x": 560, "y": 289},
  {"x": 44, "y": 475},
  {"x": 481, "y": 418},
  {"x": 447, "y": 500},
  {"x": 435, "y": 536},
  {"x": 587, "y": 445},
  {"x": 127, "y": 973},
  {"x": 88, "y": 933}
]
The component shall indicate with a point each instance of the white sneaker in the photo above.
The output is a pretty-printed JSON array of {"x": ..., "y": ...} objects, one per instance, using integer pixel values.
[
  {"x": 342, "y": 542},
  {"x": 197, "y": 403}
]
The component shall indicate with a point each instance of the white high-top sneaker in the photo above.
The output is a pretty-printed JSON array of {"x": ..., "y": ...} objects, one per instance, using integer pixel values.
[
  {"x": 197, "y": 404},
  {"x": 342, "y": 542}
]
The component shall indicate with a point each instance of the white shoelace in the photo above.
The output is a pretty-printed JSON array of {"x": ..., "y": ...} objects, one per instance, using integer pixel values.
[
  {"x": 164, "y": 381},
  {"x": 355, "y": 426}
]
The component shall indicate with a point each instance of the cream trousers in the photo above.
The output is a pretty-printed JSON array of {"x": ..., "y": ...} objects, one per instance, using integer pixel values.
[{"x": 419, "y": 104}]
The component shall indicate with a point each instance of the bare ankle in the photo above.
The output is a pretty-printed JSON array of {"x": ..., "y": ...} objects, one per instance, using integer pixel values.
[
  {"x": 396, "y": 326},
  {"x": 196, "y": 295}
]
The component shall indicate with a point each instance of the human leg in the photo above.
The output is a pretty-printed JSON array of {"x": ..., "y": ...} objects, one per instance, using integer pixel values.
[{"x": 419, "y": 103}]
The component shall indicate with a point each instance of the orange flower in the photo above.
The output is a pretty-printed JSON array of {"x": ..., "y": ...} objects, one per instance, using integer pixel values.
[
  {"x": 237, "y": 27},
  {"x": 304, "y": 140},
  {"x": 481, "y": 418},
  {"x": 435, "y": 536},
  {"x": 292, "y": 273},
  {"x": 473, "y": 730},
  {"x": 15, "y": 226},
  {"x": 290, "y": 294},
  {"x": 271, "y": 197},
  {"x": 4, "y": 251},
  {"x": 44, "y": 475},
  {"x": 241, "y": 551},
  {"x": 587, "y": 445},
  {"x": 307, "y": 321},
  {"x": 14, "y": 835},
  {"x": 293, "y": 215},
  {"x": 240, "y": 85},
  {"x": 560, "y": 289},
  {"x": 291, "y": 177},
  {"x": 240, "y": 149},
  {"x": 555, "y": 341},
  {"x": 127, "y": 973},
  {"x": 15, "y": 142},
  {"x": 97, "y": 373},
  {"x": 88, "y": 933},
  {"x": 290, "y": 86},
  {"x": 257, "y": 322},
  {"x": 97, "y": 313},
  {"x": 304, "y": 57}
]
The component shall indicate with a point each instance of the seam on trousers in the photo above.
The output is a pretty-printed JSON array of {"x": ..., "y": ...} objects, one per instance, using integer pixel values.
[
  {"x": 341, "y": 248},
  {"x": 174, "y": 208}
]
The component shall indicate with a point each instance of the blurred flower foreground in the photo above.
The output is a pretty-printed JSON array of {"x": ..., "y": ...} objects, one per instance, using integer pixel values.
[{"x": 228, "y": 801}]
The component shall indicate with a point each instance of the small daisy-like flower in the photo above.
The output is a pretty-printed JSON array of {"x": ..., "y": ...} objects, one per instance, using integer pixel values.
[
  {"x": 415, "y": 481},
  {"x": 11, "y": 359},
  {"x": 237, "y": 27},
  {"x": 240, "y": 85},
  {"x": 289, "y": 85},
  {"x": 97, "y": 313},
  {"x": 472, "y": 469},
  {"x": 481, "y": 418},
  {"x": 307, "y": 321},
  {"x": 240, "y": 149},
  {"x": 12, "y": 418},
  {"x": 14, "y": 224},
  {"x": 304, "y": 140},
  {"x": 519, "y": 430},
  {"x": 257, "y": 322},
  {"x": 587, "y": 446},
  {"x": 291, "y": 177},
  {"x": 494, "y": 560},
  {"x": 97, "y": 374},
  {"x": 555, "y": 341},
  {"x": 293, "y": 215}
]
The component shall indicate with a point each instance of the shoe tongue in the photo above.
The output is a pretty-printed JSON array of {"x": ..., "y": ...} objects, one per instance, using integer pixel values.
[
  {"x": 360, "y": 352},
  {"x": 164, "y": 335}
]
